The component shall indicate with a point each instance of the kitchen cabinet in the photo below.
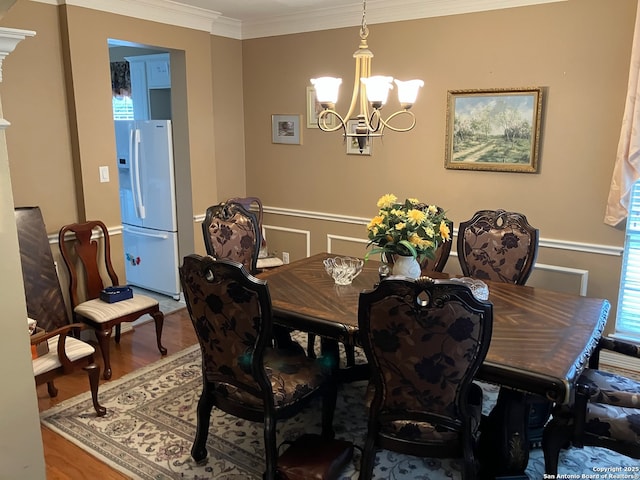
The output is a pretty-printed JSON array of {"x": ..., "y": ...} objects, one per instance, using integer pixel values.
[{"x": 150, "y": 86}]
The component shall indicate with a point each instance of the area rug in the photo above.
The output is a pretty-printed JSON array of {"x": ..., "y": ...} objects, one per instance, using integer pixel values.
[{"x": 150, "y": 424}]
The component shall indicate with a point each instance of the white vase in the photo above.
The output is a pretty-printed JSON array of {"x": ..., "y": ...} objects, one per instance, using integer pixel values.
[{"x": 407, "y": 266}]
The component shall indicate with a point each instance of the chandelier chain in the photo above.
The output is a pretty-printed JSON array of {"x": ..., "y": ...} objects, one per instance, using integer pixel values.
[{"x": 364, "y": 30}]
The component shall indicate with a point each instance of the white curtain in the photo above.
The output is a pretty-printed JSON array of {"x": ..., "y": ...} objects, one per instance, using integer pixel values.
[{"x": 627, "y": 166}]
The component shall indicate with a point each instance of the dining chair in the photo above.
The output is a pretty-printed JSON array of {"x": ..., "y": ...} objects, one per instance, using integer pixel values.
[
  {"x": 502, "y": 246},
  {"x": 242, "y": 374},
  {"x": 63, "y": 354},
  {"x": 232, "y": 231},
  {"x": 605, "y": 413},
  {"x": 47, "y": 310},
  {"x": 86, "y": 251},
  {"x": 497, "y": 245},
  {"x": 424, "y": 340},
  {"x": 265, "y": 260}
]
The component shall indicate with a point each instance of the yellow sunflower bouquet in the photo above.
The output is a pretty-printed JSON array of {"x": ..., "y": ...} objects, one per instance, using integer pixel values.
[{"x": 408, "y": 228}]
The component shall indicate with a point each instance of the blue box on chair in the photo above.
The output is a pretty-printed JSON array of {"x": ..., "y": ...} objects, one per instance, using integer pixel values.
[{"x": 116, "y": 294}]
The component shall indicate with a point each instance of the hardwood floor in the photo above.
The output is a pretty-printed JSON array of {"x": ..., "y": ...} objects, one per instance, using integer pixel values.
[{"x": 64, "y": 460}]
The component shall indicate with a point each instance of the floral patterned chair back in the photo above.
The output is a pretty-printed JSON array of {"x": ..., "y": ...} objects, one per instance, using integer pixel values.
[
  {"x": 231, "y": 231},
  {"x": 242, "y": 374},
  {"x": 497, "y": 245},
  {"x": 424, "y": 340}
]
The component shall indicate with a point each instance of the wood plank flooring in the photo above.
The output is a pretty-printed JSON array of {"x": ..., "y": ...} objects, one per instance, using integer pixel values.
[{"x": 66, "y": 461}]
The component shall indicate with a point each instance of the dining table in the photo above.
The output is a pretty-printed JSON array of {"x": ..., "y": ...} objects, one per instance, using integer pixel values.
[{"x": 541, "y": 341}]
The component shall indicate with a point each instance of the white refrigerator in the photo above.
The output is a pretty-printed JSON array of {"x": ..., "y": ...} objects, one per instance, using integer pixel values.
[{"x": 148, "y": 204}]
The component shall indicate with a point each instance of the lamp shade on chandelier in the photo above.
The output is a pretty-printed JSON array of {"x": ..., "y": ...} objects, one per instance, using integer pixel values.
[{"x": 370, "y": 94}]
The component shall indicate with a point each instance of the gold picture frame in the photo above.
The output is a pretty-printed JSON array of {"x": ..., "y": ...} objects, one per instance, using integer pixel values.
[
  {"x": 494, "y": 129},
  {"x": 313, "y": 110}
]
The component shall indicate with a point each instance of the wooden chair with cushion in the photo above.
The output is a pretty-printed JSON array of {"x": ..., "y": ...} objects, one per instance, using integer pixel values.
[
  {"x": 45, "y": 305},
  {"x": 64, "y": 353},
  {"x": 242, "y": 375},
  {"x": 87, "y": 260},
  {"x": 424, "y": 340},
  {"x": 497, "y": 245},
  {"x": 606, "y": 411},
  {"x": 232, "y": 231}
]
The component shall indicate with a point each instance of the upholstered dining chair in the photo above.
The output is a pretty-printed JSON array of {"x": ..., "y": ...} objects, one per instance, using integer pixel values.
[
  {"x": 232, "y": 231},
  {"x": 87, "y": 260},
  {"x": 502, "y": 247},
  {"x": 497, "y": 245},
  {"x": 242, "y": 374},
  {"x": 424, "y": 340},
  {"x": 606, "y": 411},
  {"x": 265, "y": 260}
]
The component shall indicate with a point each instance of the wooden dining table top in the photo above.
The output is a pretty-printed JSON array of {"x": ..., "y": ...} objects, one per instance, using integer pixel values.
[{"x": 541, "y": 339}]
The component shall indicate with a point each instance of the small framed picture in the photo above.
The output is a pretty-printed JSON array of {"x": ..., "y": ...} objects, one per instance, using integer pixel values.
[
  {"x": 495, "y": 129},
  {"x": 352, "y": 142},
  {"x": 313, "y": 110},
  {"x": 286, "y": 129}
]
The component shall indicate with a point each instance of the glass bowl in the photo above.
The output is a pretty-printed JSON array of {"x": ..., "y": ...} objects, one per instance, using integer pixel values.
[
  {"x": 343, "y": 269},
  {"x": 479, "y": 289}
]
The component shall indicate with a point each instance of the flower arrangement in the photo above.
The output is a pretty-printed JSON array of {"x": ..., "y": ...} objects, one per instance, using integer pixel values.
[{"x": 410, "y": 228}]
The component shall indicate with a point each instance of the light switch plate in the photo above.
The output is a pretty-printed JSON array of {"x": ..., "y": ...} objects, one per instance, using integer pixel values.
[{"x": 104, "y": 174}]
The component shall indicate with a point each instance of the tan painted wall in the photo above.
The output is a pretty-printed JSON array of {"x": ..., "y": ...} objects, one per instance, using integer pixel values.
[{"x": 577, "y": 50}]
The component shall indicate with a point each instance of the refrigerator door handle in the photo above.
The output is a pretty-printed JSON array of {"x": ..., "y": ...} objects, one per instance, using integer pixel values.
[
  {"x": 162, "y": 236},
  {"x": 134, "y": 154}
]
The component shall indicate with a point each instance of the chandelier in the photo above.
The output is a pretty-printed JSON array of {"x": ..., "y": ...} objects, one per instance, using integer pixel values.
[{"x": 370, "y": 93}]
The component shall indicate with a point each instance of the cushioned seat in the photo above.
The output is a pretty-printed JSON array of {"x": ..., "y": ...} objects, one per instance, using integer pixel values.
[
  {"x": 101, "y": 312},
  {"x": 74, "y": 348}
]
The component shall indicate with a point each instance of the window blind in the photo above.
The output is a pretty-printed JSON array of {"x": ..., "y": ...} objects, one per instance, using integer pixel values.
[{"x": 628, "y": 316}]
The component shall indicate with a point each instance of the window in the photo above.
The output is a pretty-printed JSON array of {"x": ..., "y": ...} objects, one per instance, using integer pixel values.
[
  {"x": 628, "y": 319},
  {"x": 122, "y": 107}
]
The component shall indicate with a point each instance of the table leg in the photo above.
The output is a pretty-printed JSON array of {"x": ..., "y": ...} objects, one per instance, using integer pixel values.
[{"x": 504, "y": 443}]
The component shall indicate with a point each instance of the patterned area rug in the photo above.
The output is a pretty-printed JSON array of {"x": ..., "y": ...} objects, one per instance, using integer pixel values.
[{"x": 150, "y": 424}]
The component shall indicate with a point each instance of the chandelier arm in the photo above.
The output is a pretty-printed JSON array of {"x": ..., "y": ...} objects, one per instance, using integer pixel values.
[
  {"x": 322, "y": 121},
  {"x": 386, "y": 123}
]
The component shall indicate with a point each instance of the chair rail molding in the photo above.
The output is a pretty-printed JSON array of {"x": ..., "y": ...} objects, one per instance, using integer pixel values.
[{"x": 582, "y": 247}]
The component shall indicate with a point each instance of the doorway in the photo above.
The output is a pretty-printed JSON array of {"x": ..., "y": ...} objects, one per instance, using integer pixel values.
[{"x": 152, "y": 163}]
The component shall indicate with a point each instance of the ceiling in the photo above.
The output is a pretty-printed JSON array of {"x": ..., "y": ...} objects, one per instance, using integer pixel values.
[{"x": 244, "y": 19}]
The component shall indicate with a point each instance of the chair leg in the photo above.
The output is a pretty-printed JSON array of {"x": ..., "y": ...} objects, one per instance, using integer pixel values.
[
  {"x": 158, "y": 317},
  {"x": 104, "y": 336},
  {"x": 93, "y": 370},
  {"x": 203, "y": 416},
  {"x": 311, "y": 345},
  {"x": 350, "y": 353},
  {"x": 329, "y": 399},
  {"x": 117, "y": 337},
  {"x": 270, "y": 447},
  {"x": 556, "y": 435},
  {"x": 51, "y": 389},
  {"x": 368, "y": 459}
]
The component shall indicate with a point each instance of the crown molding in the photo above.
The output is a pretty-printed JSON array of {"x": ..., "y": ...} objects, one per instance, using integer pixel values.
[{"x": 378, "y": 11}]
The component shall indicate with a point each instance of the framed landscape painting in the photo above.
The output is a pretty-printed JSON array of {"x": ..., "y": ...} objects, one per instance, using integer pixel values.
[{"x": 494, "y": 129}]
